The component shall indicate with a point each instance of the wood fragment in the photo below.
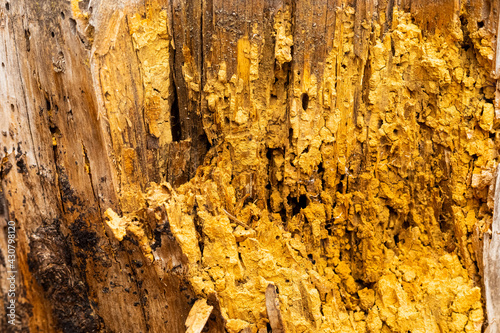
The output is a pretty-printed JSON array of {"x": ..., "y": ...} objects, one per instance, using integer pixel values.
[
  {"x": 273, "y": 310},
  {"x": 491, "y": 259},
  {"x": 496, "y": 72},
  {"x": 232, "y": 217},
  {"x": 198, "y": 316}
]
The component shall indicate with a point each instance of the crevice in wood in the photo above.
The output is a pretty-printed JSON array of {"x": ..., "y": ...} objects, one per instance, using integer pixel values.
[
  {"x": 4, "y": 204},
  {"x": 175, "y": 121},
  {"x": 89, "y": 172}
]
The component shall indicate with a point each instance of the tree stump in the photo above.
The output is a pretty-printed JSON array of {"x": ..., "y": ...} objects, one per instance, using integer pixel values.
[{"x": 242, "y": 166}]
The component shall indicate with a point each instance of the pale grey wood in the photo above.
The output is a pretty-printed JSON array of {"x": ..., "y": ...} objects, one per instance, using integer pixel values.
[{"x": 491, "y": 259}]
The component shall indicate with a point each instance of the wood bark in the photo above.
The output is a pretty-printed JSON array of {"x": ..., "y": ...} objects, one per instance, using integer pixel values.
[{"x": 300, "y": 166}]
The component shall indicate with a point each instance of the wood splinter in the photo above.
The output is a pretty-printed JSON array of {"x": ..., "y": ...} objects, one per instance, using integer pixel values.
[
  {"x": 491, "y": 261},
  {"x": 198, "y": 316},
  {"x": 273, "y": 310},
  {"x": 232, "y": 217}
]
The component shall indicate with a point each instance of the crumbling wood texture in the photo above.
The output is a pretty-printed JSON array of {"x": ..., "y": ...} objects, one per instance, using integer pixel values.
[{"x": 156, "y": 154}]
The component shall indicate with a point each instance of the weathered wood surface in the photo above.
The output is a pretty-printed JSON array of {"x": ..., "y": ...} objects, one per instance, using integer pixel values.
[
  {"x": 309, "y": 99},
  {"x": 62, "y": 167},
  {"x": 491, "y": 260}
]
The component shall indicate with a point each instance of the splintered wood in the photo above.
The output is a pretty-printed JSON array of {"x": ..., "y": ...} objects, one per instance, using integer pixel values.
[
  {"x": 491, "y": 259},
  {"x": 273, "y": 309},
  {"x": 198, "y": 316}
]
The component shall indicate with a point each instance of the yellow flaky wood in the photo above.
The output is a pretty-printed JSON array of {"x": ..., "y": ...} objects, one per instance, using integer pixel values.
[{"x": 159, "y": 154}]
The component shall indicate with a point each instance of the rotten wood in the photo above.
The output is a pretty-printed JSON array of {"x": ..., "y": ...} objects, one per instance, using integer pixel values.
[{"x": 77, "y": 137}]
